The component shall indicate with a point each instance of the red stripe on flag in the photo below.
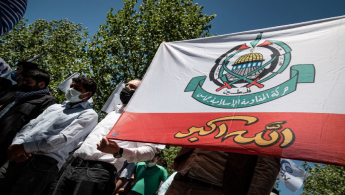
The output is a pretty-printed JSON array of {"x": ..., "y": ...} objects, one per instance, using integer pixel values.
[{"x": 314, "y": 137}]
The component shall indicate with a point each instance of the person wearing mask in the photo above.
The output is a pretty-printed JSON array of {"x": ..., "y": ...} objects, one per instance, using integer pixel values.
[
  {"x": 11, "y": 12},
  {"x": 148, "y": 176},
  {"x": 93, "y": 171},
  {"x": 203, "y": 171},
  {"x": 42, "y": 146},
  {"x": 22, "y": 67},
  {"x": 29, "y": 102}
]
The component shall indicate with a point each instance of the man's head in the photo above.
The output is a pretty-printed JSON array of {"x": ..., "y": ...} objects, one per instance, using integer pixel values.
[
  {"x": 34, "y": 80},
  {"x": 129, "y": 89},
  {"x": 85, "y": 87},
  {"x": 153, "y": 162},
  {"x": 23, "y": 67}
]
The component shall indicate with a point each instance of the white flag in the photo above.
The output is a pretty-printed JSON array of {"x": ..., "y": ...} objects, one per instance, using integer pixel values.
[
  {"x": 5, "y": 69},
  {"x": 66, "y": 84},
  {"x": 114, "y": 99},
  {"x": 292, "y": 175}
]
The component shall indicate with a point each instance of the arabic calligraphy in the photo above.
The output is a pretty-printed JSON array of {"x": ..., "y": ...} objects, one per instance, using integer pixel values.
[
  {"x": 238, "y": 101},
  {"x": 286, "y": 134}
]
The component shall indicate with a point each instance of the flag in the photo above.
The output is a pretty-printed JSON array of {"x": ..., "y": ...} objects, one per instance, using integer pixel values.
[
  {"x": 275, "y": 92},
  {"x": 114, "y": 99},
  {"x": 65, "y": 85},
  {"x": 5, "y": 69},
  {"x": 292, "y": 175}
]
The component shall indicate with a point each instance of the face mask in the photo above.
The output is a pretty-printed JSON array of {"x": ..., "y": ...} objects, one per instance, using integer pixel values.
[
  {"x": 126, "y": 95},
  {"x": 148, "y": 164},
  {"x": 14, "y": 76},
  {"x": 72, "y": 95}
]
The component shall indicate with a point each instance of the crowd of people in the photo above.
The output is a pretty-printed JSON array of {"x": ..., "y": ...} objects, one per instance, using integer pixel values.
[{"x": 52, "y": 148}]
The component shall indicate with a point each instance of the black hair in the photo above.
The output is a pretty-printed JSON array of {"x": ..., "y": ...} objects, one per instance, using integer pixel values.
[
  {"x": 88, "y": 83},
  {"x": 38, "y": 75},
  {"x": 27, "y": 65}
]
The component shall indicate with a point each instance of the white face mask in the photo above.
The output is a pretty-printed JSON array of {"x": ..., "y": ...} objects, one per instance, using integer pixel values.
[{"x": 72, "y": 95}]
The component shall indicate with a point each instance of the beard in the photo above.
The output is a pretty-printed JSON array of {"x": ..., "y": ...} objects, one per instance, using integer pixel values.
[{"x": 27, "y": 88}]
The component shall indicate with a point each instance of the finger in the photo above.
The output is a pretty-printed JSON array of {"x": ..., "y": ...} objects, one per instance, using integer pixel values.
[
  {"x": 104, "y": 142},
  {"x": 28, "y": 154}
]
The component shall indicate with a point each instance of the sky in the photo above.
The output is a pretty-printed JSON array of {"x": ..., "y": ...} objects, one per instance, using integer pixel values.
[{"x": 232, "y": 16}]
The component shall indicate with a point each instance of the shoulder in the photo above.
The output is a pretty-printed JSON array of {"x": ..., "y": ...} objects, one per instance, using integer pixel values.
[
  {"x": 162, "y": 169},
  {"x": 140, "y": 164},
  {"x": 90, "y": 113}
]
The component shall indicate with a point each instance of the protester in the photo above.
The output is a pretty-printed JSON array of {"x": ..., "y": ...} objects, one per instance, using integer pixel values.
[
  {"x": 214, "y": 172},
  {"x": 22, "y": 67},
  {"x": 11, "y": 12},
  {"x": 41, "y": 147},
  {"x": 92, "y": 171},
  {"x": 148, "y": 176},
  {"x": 29, "y": 102}
]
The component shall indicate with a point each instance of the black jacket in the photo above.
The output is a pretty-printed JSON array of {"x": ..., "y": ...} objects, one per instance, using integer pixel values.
[{"x": 19, "y": 115}]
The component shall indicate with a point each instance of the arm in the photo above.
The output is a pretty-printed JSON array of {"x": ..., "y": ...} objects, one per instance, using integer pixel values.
[
  {"x": 80, "y": 127},
  {"x": 19, "y": 138},
  {"x": 264, "y": 176},
  {"x": 11, "y": 11},
  {"x": 143, "y": 152}
]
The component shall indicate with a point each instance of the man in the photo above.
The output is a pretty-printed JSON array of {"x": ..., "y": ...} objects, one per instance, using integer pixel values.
[
  {"x": 29, "y": 102},
  {"x": 41, "y": 147},
  {"x": 148, "y": 177},
  {"x": 93, "y": 171},
  {"x": 22, "y": 67},
  {"x": 214, "y": 172},
  {"x": 11, "y": 12}
]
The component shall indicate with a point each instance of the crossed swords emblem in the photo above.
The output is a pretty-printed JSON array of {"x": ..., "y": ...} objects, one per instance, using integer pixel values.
[{"x": 239, "y": 77}]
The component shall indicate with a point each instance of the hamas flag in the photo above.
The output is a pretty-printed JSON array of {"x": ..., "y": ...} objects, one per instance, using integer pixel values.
[{"x": 274, "y": 92}]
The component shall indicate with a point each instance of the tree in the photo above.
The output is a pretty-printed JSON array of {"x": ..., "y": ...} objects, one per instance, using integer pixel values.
[
  {"x": 62, "y": 45},
  {"x": 169, "y": 154},
  {"x": 324, "y": 179},
  {"x": 124, "y": 47}
]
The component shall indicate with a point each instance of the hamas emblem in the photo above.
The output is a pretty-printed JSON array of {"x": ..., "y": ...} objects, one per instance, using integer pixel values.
[{"x": 246, "y": 75}]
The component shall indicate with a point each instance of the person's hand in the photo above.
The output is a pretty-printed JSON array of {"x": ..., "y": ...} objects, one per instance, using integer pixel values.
[
  {"x": 107, "y": 146},
  {"x": 16, "y": 153},
  {"x": 22, "y": 158}
]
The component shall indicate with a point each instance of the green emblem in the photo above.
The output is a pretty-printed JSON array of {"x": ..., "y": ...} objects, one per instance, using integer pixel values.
[{"x": 240, "y": 75}]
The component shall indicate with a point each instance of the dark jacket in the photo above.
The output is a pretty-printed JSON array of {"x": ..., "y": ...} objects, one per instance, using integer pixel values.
[
  {"x": 244, "y": 174},
  {"x": 7, "y": 96},
  {"x": 19, "y": 115}
]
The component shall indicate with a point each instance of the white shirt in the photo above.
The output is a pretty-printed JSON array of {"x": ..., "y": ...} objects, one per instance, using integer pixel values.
[
  {"x": 58, "y": 130},
  {"x": 132, "y": 151}
]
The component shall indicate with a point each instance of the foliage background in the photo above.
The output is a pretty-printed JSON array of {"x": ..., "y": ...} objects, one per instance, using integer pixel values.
[
  {"x": 65, "y": 47},
  {"x": 121, "y": 50}
]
